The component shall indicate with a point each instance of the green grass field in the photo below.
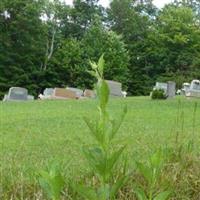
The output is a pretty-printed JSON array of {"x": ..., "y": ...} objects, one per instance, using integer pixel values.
[{"x": 33, "y": 134}]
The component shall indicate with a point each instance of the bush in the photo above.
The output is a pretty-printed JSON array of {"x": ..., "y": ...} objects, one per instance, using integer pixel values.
[{"x": 158, "y": 94}]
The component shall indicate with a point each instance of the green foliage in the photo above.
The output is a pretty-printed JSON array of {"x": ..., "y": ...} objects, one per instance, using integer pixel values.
[
  {"x": 130, "y": 21},
  {"x": 103, "y": 155},
  {"x": 22, "y": 38},
  {"x": 161, "y": 45},
  {"x": 179, "y": 36},
  {"x": 51, "y": 181},
  {"x": 98, "y": 40},
  {"x": 158, "y": 94},
  {"x": 152, "y": 172}
]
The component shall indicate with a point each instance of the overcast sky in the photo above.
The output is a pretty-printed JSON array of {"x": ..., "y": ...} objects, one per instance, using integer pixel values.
[{"x": 105, "y": 3}]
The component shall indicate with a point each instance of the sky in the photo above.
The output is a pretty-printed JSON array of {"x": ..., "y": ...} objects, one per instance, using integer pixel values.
[{"x": 105, "y": 3}]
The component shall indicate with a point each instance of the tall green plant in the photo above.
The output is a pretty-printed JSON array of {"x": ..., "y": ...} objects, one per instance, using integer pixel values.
[
  {"x": 152, "y": 172},
  {"x": 103, "y": 155},
  {"x": 52, "y": 182}
]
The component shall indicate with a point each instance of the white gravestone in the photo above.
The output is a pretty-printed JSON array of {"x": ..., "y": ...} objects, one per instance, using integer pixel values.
[
  {"x": 16, "y": 93},
  {"x": 115, "y": 88}
]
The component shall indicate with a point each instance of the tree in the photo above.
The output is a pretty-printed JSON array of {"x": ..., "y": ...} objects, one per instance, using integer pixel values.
[
  {"x": 129, "y": 20},
  {"x": 68, "y": 64},
  {"x": 180, "y": 36},
  {"x": 51, "y": 20},
  {"x": 81, "y": 15},
  {"x": 21, "y": 43},
  {"x": 98, "y": 40},
  {"x": 193, "y": 4}
]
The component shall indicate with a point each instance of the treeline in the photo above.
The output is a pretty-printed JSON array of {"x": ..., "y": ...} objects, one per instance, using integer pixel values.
[{"x": 45, "y": 43}]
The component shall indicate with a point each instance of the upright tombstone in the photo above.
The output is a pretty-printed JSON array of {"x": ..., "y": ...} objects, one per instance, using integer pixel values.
[
  {"x": 48, "y": 92},
  {"x": 161, "y": 86},
  {"x": 115, "y": 88},
  {"x": 16, "y": 94},
  {"x": 79, "y": 93},
  {"x": 171, "y": 89},
  {"x": 89, "y": 93},
  {"x": 194, "y": 90},
  {"x": 62, "y": 93},
  {"x": 185, "y": 88}
]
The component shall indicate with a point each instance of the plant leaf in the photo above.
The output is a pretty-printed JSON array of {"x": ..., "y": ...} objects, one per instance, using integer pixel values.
[
  {"x": 140, "y": 194},
  {"x": 86, "y": 192},
  {"x": 103, "y": 93},
  {"x": 96, "y": 159},
  {"x": 163, "y": 196},
  {"x": 101, "y": 64},
  {"x": 116, "y": 187},
  {"x": 116, "y": 124},
  {"x": 95, "y": 132},
  {"x": 113, "y": 159},
  {"x": 52, "y": 181},
  {"x": 156, "y": 159},
  {"x": 145, "y": 171},
  {"x": 93, "y": 65},
  {"x": 104, "y": 192}
]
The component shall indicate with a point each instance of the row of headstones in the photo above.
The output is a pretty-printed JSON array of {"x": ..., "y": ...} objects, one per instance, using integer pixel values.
[
  {"x": 18, "y": 93},
  {"x": 66, "y": 93},
  {"x": 189, "y": 90}
]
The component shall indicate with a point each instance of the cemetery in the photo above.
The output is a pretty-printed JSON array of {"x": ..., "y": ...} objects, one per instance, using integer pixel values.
[
  {"x": 99, "y": 99},
  {"x": 21, "y": 94},
  {"x": 40, "y": 131}
]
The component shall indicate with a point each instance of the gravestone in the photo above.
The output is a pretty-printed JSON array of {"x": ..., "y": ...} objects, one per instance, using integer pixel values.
[
  {"x": 194, "y": 90},
  {"x": 89, "y": 93},
  {"x": 115, "y": 88},
  {"x": 78, "y": 92},
  {"x": 62, "y": 93},
  {"x": 171, "y": 89},
  {"x": 17, "y": 93},
  {"x": 30, "y": 97},
  {"x": 161, "y": 86},
  {"x": 185, "y": 88},
  {"x": 48, "y": 92}
]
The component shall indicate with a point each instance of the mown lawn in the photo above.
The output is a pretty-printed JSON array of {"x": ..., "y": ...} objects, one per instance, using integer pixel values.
[{"x": 34, "y": 134}]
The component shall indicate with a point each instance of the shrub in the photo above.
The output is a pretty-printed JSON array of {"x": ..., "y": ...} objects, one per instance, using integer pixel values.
[{"x": 158, "y": 94}]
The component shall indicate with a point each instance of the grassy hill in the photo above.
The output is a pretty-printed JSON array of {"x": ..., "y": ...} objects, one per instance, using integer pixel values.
[{"x": 34, "y": 134}]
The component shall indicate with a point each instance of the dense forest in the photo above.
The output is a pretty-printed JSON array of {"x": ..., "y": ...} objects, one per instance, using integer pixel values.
[{"x": 45, "y": 43}]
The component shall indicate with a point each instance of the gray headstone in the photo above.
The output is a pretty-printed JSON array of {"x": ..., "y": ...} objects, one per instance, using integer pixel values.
[
  {"x": 17, "y": 93},
  {"x": 115, "y": 88},
  {"x": 161, "y": 86},
  {"x": 48, "y": 92},
  {"x": 30, "y": 97},
  {"x": 171, "y": 89}
]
